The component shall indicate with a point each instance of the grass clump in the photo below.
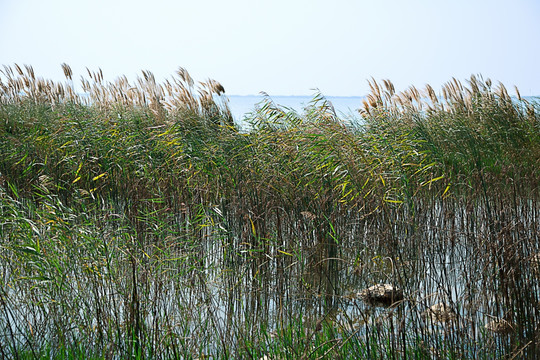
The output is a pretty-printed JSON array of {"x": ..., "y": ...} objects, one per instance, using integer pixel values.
[{"x": 138, "y": 220}]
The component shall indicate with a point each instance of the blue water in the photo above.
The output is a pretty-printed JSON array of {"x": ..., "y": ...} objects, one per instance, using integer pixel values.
[{"x": 345, "y": 106}]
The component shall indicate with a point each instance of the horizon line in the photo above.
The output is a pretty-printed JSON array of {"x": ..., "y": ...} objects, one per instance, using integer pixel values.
[{"x": 306, "y": 95}]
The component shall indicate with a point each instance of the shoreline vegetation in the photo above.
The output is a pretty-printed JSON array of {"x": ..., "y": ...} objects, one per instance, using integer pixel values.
[{"x": 139, "y": 221}]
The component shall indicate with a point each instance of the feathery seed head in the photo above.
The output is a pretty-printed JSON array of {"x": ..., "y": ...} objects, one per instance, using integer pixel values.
[{"x": 67, "y": 71}]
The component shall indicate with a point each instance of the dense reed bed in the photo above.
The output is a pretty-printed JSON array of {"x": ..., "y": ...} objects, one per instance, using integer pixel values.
[{"x": 138, "y": 220}]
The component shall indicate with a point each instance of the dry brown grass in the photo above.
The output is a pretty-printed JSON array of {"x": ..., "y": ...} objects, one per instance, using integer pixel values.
[
  {"x": 454, "y": 97},
  {"x": 178, "y": 94}
]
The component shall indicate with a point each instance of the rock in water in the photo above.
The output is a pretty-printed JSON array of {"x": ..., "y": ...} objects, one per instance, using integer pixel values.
[
  {"x": 440, "y": 312},
  {"x": 499, "y": 326},
  {"x": 535, "y": 263},
  {"x": 381, "y": 295}
]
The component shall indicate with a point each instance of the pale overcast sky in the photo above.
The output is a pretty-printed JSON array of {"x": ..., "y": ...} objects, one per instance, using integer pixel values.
[{"x": 282, "y": 47}]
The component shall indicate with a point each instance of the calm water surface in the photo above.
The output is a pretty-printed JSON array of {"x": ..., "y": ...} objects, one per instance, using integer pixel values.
[{"x": 241, "y": 105}]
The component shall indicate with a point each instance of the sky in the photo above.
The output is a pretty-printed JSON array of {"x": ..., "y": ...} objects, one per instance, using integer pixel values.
[{"x": 281, "y": 47}]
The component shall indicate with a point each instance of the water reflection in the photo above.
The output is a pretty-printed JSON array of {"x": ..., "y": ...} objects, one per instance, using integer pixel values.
[{"x": 467, "y": 276}]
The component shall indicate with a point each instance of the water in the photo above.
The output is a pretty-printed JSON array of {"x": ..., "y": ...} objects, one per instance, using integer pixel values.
[
  {"x": 345, "y": 106},
  {"x": 231, "y": 285}
]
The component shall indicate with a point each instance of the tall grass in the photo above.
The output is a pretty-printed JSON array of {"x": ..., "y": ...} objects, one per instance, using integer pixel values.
[{"x": 139, "y": 220}]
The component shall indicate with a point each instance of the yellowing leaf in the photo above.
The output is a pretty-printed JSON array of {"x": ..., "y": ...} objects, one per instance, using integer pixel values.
[
  {"x": 253, "y": 228},
  {"x": 394, "y": 201},
  {"x": 286, "y": 253},
  {"x": 433, "y": 180},
  {"x": 79, "y": 169},
  {"x": 446, "y": 190},
  {"x": 99, "y": 176}
]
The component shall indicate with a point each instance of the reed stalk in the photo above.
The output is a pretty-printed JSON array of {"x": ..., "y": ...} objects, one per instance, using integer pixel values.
[{"x": 139, "y": 220}]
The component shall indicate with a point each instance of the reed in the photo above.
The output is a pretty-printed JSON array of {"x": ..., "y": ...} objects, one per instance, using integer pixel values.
[{"x": 139, "y": 221}]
